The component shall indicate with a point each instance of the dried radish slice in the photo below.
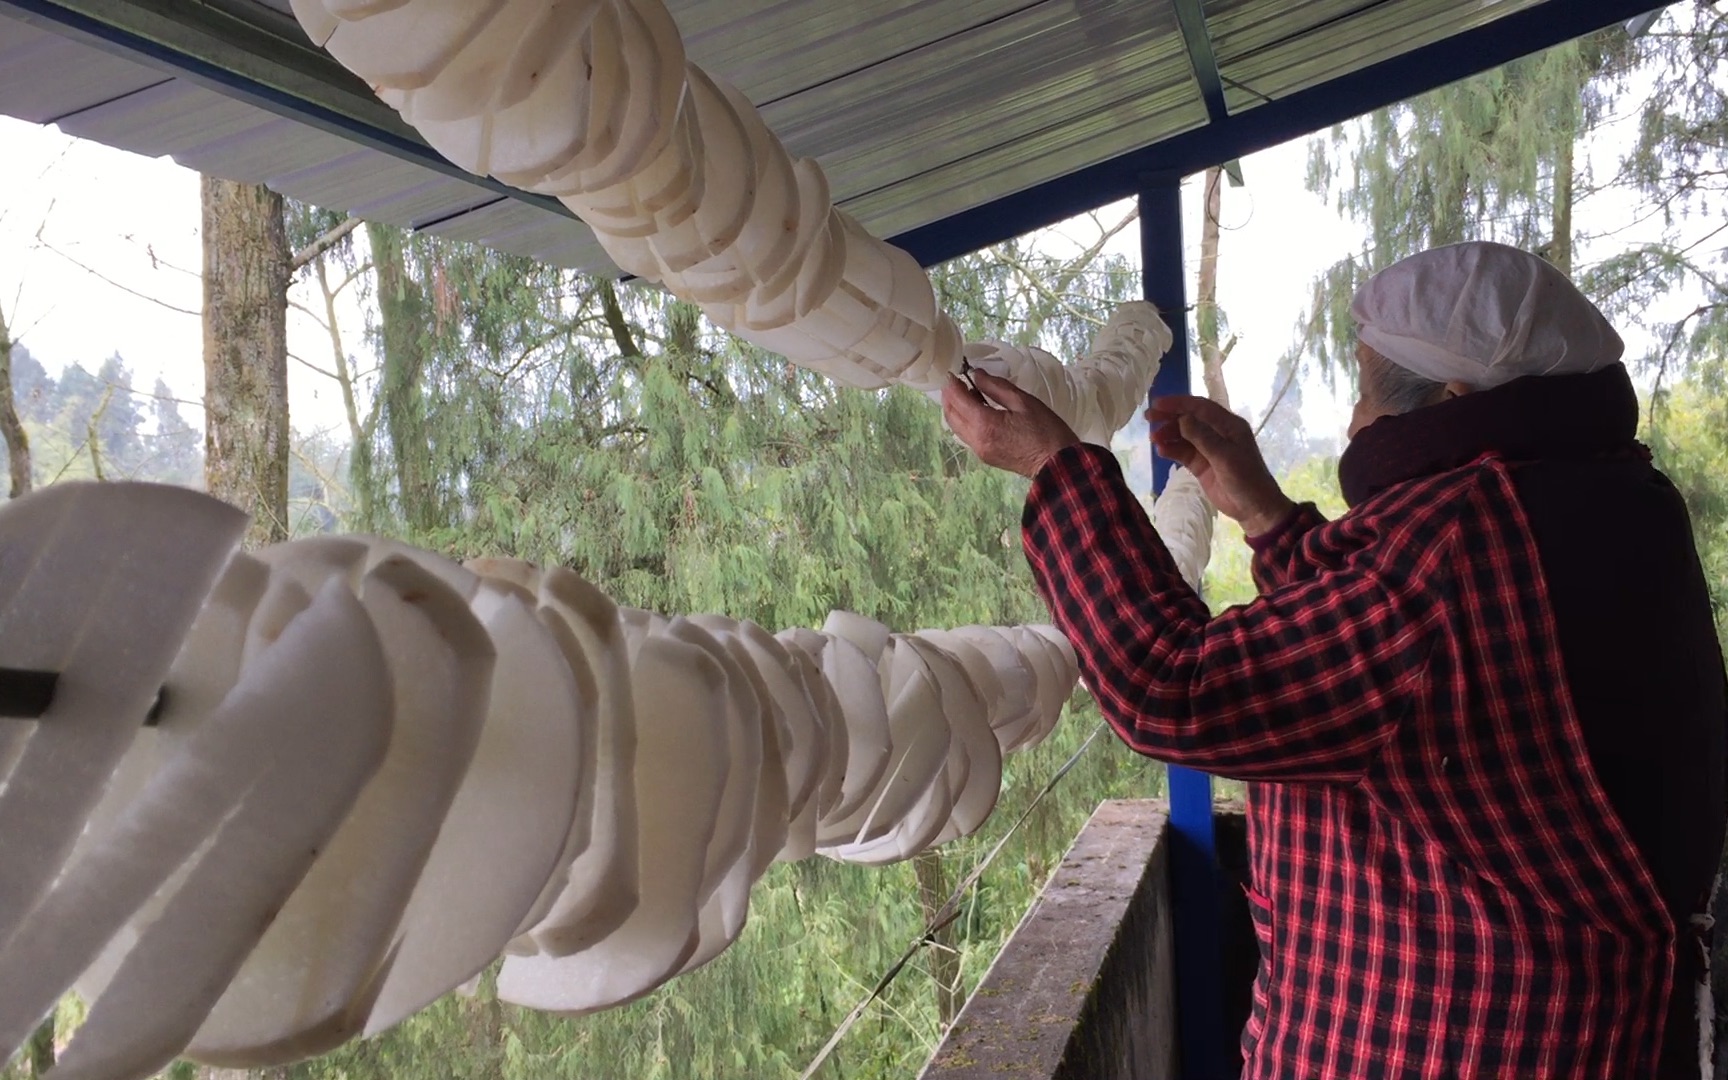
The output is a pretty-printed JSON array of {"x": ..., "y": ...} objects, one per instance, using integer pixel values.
[
  {"x": 310, "y": 983},
  {"x": 274, "y": 771},
  {"x": 407, "y": 47},
  {"x": 507, "y": 826},
  {"x": 869, "y": 635},
  {"x": 601, "y": 887},
  {"x": 680, "y": 694},
  {"x": 99, "y": 583}
]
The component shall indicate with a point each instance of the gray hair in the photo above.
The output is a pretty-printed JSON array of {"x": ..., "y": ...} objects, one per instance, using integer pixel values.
[{"x": 1399, "y": 390}]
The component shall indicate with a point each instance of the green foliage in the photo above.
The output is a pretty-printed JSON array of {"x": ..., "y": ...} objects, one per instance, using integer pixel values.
[
  {"x": 1489, "y": 157},
  {"x": 1678, "y": 170}
]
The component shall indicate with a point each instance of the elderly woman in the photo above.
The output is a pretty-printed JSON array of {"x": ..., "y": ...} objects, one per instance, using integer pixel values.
[{"x": 1484, "y": 711}]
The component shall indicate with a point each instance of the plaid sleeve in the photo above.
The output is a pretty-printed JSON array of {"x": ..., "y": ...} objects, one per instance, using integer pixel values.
[
  {"x": 1307, "y": 682},
  {"x": 1277, "y": 553}
]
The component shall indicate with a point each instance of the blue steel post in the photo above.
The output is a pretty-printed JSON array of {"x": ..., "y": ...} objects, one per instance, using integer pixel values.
[{"x": 1193, "y": 856}]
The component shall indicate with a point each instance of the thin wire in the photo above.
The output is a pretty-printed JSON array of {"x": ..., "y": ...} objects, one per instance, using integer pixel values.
[{"x": 947, "y": 913}]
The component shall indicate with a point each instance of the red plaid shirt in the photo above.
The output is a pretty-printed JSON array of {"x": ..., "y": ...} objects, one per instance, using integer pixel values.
[{"x": 1440, "y": 886}]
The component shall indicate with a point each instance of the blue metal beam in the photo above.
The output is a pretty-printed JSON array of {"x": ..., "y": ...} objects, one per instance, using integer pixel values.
[
  {"x": 1191, "y": 17},
  {"x": 1194, "y": 879},
  {"x": 1472, "y": 52}
]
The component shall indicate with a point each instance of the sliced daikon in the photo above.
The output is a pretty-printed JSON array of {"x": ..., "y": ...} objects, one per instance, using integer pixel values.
[
  {"x": 601, "y": 886},
  {"x": 99, "y": 583},
  {"x": 507, "y": 826},
  {"x": 311, "y": 981},
  {"x": 680, "y": 694},
  {"x": 292, "y": 746}
]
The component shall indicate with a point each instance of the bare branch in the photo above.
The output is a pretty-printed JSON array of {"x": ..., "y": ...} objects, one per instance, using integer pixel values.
[
  {"x": 123, "y": 288},
  {"x": 303, "y": 362},
  {"x": 324, "y": 243}
]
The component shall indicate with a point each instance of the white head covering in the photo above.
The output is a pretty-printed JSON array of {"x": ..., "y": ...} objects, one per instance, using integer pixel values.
[{"x": 1482, "y": 314}]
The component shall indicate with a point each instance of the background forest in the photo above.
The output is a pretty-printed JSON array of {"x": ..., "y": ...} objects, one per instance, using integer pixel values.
[{"x": 497, "y": 406}]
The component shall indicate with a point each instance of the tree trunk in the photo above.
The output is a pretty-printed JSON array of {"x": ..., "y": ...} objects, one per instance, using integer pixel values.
[
  {"x": 359, "y": 434},
  {"x": 246, "y": 261},
  {"x": 41, "y": 1048},
  {"x": 1561, "y": 252},
  {"x": 933, "y": 889},
  {"x": 1206, "y": 313},
  {"x": 402, "y": 313},
  {"x": 12, "y": 428}
]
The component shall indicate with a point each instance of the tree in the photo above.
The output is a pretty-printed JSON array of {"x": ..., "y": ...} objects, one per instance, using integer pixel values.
[
  {"x": 1678, "y": 170},
  {"x": 174, "y": 449},
  {"x": 247, "y": 266},
  {"x": 1490, "y": 157},
  {"x": 17, "y": 442}
]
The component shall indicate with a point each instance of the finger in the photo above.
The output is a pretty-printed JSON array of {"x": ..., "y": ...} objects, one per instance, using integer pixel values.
[
  {"x": 1177, "y": 406},
  {"x": 1001, "y": 391},
  {"x": 1207, "y": 439},
  {"x": 1183, "y": 453}
]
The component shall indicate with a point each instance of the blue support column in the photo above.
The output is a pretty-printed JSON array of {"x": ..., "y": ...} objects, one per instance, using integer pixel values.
[{"x": 1205, "y": 1045}]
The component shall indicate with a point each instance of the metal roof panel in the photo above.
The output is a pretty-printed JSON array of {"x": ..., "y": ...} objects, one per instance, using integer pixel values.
[{"x": 44, "y": 77}]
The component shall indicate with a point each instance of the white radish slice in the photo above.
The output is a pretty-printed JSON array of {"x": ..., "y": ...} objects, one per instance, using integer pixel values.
[
  {"x": 515, "y": 572},
  {"x": 360, "y": 9},
  {"x": 869, "y": 635},
  {"x": 467, "y": 87},
  {"x": 804, "y": 741},
  {"x": 984, "y": 679},
  {"x": 769, "y": 235},
  {"x": 522, "y": 580},
  {"x": 1019, "y": 681},
  {"x": 772, "y": 794},
  {"x": 920, "y": 738},
  {"x": 823, "y": 266},
  {"x": 729, "y": 167},
  {"x": 1053, "y": 690},
  {"x": 99, "y": 583},
  {"x": 601, "y": 887},
  {"x": 315, "y": 18},
  {"x": 293, "y": 746},
  {"x": 976, "y": 789},
  {"x": 202, "y": 676},
  {"x": 405, "y": 48},
  {"x": 804, "y": 647},
  {"x": 1070, "y": 663},
  {"x": 735, "y": 821},
  {"x": 654, "y": 54},
  {"x": 558, "y": 36},
  {"x": 727, "y": 908},
  {"x": 542, "y": 134},
  {"x": 507, "y": 826},
  {"x": 864, "y": 727},
  {"x": 309, "y": 984},
  {"x": 680, "y": 694},
  {"x": 778, "y": 295}
]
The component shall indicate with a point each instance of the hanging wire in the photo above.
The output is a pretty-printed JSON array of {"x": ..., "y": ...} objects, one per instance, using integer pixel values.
[{"x": 947, "y": 913}]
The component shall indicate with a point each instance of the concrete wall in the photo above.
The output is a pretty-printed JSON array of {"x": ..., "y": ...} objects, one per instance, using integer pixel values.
[{"x": 1083, "y": 988}]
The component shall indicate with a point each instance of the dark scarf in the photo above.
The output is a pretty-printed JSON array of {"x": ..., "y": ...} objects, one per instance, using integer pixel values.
[{"x": 1540, "y": 416}]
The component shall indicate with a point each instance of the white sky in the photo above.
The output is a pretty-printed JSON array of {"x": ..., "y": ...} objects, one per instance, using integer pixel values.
[{"x": 135, "y": 221}]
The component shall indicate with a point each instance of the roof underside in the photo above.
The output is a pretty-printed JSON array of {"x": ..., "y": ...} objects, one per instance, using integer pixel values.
[{"x": 945, "y": 126}]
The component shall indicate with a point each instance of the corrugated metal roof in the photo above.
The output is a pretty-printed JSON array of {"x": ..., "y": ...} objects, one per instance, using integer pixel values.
[{"x": 918, "y": 110}]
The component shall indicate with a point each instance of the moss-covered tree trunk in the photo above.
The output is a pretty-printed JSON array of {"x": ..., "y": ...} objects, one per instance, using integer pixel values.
[
  {"x": 402, "y": 312},
  {"x": 246, "y": 271},
  {"x": 12, "y": 428}
]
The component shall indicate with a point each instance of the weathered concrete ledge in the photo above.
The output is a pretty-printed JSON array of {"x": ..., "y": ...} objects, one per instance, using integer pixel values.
[{"x": 1084, "y": 989}]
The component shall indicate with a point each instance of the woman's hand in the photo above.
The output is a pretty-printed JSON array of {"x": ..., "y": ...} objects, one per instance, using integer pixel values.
[
  {"x": 1020, "y": 436},
  {"x": 1218, "y": 447}
]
